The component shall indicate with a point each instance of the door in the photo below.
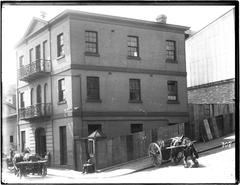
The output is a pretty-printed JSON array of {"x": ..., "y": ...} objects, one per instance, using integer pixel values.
[
  {"x": 40, "y": 140},
  {"x": 23, "y": 140},
  {"x": 63, "y": 145}
]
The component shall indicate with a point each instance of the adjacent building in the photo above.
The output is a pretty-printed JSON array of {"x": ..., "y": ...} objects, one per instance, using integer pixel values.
[
  {"x": 210, "y": 57},
  {"x": 9, "y": 123},
  {"x": 81, "y": 72}
]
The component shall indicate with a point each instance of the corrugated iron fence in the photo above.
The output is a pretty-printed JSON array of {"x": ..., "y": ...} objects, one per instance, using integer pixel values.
[
  {"x": 208, "y": 121},
  {"x": 112, "y": 151}
]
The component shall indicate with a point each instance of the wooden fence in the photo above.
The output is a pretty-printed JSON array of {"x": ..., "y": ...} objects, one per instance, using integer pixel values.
[
  {"x": 112, "y": 151},
  {"x": 208, "y": 121}
]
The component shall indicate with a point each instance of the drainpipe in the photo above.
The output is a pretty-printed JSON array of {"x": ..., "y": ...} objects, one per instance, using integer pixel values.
[{"x": 51, "y": 90}]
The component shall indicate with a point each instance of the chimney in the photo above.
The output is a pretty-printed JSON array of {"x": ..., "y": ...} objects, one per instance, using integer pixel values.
[{"x": 162, "y": 19}]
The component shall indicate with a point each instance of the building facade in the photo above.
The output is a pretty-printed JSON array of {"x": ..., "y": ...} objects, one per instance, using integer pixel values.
[
  {"x": 210, "y": 57},
  {"x": 81, "y": 72},
  {"x": 9, "y": 123}
]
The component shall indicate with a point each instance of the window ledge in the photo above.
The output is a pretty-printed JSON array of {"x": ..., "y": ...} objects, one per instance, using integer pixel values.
[
  {"x": 94, "y": 100},
  {"x": 174, "y": 61},
  {"x": 135, "y": 101},
  {"x": 133, "y": 58},
  {"x": 60, "y": 57},
  {"x": 92, "y": 54},
  {"x": 173, "y": 102},
  {"x": 62, "y": 102}
]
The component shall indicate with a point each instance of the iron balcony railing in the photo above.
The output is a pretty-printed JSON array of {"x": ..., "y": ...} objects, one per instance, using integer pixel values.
[
  {"x": 35, "y": 111},
  {"x": 36, "y": 69}
]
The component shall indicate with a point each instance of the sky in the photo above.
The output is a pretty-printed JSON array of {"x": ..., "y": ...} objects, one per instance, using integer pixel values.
[{"x": 16, "y": 18}]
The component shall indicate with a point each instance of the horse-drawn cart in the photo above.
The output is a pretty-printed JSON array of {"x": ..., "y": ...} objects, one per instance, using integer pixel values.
[
  {"x": 173, "y": 149},
  {"x": 35, "y": 167}
]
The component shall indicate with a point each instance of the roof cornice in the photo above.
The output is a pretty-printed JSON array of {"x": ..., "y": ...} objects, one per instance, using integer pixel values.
[{"x": 74, "y": 14}]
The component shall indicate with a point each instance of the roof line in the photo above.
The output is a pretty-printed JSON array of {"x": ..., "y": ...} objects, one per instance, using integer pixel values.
[{"x": 210, "y": 23}]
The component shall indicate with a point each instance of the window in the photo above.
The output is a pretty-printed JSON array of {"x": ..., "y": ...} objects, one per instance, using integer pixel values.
[
  {"x": 133, "y": 47},
  {"x": 23, "y": 140},
  {"x": 39, "y": 94},
  {"x": 94, "y": 127},
  {"x": 22, "y": 104},
  {"x": 45, "y": 50},
  {"x": 11, "y": 139},
  {"x": 31, "y": 55},
  {"x": 31, "y": 96},
  {"x": 172, "y": 91},
  {"x": 136, "y": 128},
  {"x": 61, "y": 90},
  {"x": 38, "y": 52},
  {"x": 171, "y": 50},
  {"x": 135, "y": 90},
  {"x": 63, "y": 145},
  {"x": 91, "y": 42},
  {"x": 60, "y": 50},
  {"x": 45, "y": 93},
  {"x": 21, "y": 61},
  {"x": 93, "y": 88}
]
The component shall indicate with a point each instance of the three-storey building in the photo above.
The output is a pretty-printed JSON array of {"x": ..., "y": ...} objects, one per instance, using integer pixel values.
[{"x": 80, "y": 72}]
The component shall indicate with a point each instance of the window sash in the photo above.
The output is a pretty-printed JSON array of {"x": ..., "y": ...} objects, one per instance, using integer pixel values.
[
  {"x": 171, "y": 49},
  {"x": 93, "y": 88},
  {"x": 31, "y": 55},
  {"x": 60, "y": 45},
  {"x": 172, "y": 90},
  {"x": 61, "y": 90},
  {"x": 91, "y": 42},
  {"x": 135, "y": 89},
  {"x": 133, "y": 46}
]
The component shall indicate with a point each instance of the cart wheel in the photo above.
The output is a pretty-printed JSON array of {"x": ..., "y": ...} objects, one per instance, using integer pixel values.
[
  {"x": 154, "y": 152},
  {"x": 178, "y": 157}
]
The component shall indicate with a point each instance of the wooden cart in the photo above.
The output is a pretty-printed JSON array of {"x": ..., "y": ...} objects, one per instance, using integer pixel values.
[
  {"x": 35, "y": 167},
  {"x": 167, "y": 150}
]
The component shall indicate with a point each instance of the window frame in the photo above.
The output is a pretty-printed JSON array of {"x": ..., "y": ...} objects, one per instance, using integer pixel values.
[
  {"x": 174, "y": 50},
  {"x": 21, "y": 61},
  {"x": 61, "y": 91},
  {"x": 94, "y": 43},
  {"x": 135, "y": 90},
  {"x": 91, "y": 96},
  {"x": 60, "y": 45},
  {"x": 172, "y": 92},
  {"x": 30, "y": 55},
  {"x": 22, "y": 102},
  {"x": 129, "y": 47}
]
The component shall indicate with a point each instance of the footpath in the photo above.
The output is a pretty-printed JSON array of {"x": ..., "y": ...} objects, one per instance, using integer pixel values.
[{"x": 139, "y": 164}]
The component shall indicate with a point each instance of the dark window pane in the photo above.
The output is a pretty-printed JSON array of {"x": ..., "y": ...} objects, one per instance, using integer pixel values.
[
  {"x": 93, "y": 88},
  {"x": 172, "y": 90},
  {"x": 136, "y": 128},
  {"x": 61, "y": 90},
  {"x": 135, "y": 91}
]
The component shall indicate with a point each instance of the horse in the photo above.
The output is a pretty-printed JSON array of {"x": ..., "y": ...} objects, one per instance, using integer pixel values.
[{"x": 189, "y": 151}]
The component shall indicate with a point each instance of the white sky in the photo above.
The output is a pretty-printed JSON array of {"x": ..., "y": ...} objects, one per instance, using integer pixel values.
[{"x": 15, "y": 20}]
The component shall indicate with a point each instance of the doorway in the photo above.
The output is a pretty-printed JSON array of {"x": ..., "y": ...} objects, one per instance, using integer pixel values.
[{"x": 40, "y": 140}]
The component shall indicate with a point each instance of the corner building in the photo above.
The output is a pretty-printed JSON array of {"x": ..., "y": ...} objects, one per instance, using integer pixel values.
[{"x": 81, "y": 71}]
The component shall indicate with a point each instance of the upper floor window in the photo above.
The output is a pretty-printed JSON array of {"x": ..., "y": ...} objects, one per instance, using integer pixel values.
[
  {"x": 60, "y": 44},
  {"x": 93, "y": 88},
  {"x": 91, "y": 42},
  {"x": 133, "y": 46},
  {"x": 22, "y": 104},
  {"x": 31, "y": 96},
  {"x": 171, "y": 50},
  {"x": 45, "y": 50},
  {"x": 172, "y": 91},
  {"x": 21, "y": 61},
  {"x": 11, "y": 139},
  {"x": 38, "y": 52},
  {"x": 31, "y": 55},
  {"x": 61, "y": 90},
  {"x": 135, "y": 90}
]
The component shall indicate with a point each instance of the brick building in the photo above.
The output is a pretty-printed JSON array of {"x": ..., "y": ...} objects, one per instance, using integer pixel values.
[
  {"x": 210, "y": 57},
  {"x": 80, "y": 72}
]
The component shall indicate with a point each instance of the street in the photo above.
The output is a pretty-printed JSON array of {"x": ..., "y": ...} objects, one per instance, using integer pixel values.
[{"x": 216, "y": 165}]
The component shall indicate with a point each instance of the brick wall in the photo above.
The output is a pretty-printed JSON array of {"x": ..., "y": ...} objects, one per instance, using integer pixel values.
[{"x": 217, "y": 92}]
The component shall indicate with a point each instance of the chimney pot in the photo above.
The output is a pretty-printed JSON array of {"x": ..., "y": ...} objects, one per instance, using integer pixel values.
[{"x": 162, "y": 19}]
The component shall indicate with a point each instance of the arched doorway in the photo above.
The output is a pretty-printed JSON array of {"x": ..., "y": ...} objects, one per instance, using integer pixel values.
[{"x": 40, "y": 140}]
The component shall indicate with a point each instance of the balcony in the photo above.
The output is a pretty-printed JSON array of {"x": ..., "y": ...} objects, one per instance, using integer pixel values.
[
  {"x": 40, "y": 110},
  {"x": 34, "y": 70}
]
